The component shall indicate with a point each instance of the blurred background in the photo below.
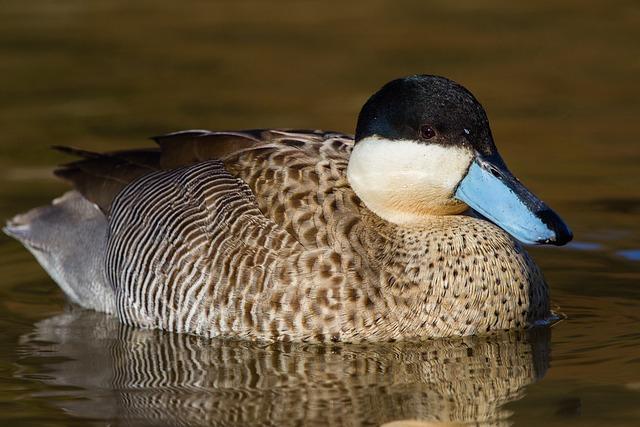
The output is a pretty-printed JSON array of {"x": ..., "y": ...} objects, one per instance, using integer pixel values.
[{"x": 559, "y": 80}]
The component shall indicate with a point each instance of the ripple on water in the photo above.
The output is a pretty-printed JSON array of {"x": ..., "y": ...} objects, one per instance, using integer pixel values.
[{"x": 630, "y": 254}]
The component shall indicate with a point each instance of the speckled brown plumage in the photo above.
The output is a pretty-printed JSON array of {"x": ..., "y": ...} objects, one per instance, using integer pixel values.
[{"x": 271, "y": 243}]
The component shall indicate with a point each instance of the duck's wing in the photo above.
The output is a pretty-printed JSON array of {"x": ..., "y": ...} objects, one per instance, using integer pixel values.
[
  {"x": 192, "y": 146},
  {"x": 99, "y": 177},
  {"x": 253, "y": 245},
  {"x": 298, "y": 177},
  {"x": 209, "y": 231}
]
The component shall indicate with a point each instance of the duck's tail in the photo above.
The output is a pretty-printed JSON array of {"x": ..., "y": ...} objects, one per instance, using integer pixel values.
[{"x": 68, "y": 238}]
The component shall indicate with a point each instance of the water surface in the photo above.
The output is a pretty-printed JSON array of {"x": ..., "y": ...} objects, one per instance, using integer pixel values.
[{"x": 560, "y": 83}]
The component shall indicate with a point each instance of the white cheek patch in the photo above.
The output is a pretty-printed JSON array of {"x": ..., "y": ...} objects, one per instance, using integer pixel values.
[{"x": 404, "y": 177}]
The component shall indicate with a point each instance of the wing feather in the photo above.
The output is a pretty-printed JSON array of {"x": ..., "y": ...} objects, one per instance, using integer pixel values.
[{"x": 99, "y": 177}]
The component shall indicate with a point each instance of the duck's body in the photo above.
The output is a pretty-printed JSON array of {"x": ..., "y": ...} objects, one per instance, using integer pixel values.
[{"x": 260, "y": 235}]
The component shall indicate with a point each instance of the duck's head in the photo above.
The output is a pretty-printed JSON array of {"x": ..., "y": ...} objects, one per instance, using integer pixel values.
[{"x": 424, "y": 147}]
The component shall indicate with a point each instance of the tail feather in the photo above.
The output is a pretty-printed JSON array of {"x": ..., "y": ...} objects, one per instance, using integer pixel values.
[{"x": 68, "y": 238}]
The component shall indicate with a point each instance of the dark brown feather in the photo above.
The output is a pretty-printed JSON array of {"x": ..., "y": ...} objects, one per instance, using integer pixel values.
[
  {"x": 99, "y": 177},
  {"x": 193, "y": 146}
]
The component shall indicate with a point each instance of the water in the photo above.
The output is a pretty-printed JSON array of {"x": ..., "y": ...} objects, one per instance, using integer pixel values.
[{"x": 560, "y": 83}]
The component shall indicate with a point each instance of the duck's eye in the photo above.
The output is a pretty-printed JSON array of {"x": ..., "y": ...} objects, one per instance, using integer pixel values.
[{"x": 427, "y": 132}]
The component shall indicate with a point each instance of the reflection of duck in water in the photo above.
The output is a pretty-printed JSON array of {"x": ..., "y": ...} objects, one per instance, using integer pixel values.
[
  {"x": 307, "y": 235},
  {"x": 153, "y": 377}
]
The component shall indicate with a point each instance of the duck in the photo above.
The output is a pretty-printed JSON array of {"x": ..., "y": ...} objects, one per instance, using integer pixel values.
[{"x": 411, "y": 229}]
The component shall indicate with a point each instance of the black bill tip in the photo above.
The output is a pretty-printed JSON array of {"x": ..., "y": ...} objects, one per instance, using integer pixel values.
[{"x": 561, "y": 232}]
